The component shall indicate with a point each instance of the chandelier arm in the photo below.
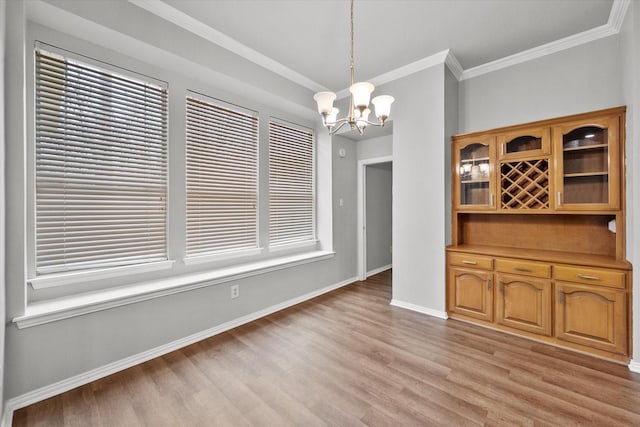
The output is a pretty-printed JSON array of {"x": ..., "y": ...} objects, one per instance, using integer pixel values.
[{"x": 334, "y": 129}]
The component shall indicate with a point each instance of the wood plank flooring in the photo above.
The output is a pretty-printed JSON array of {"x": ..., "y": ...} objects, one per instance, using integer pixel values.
[{"x": 348, "y": 358}]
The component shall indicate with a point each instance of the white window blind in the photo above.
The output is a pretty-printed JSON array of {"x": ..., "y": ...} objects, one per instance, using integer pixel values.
[
  {"x": 291, "y": 184},
  {"x": 222, "y": 148},
  {"x": 101, "y": 155}
]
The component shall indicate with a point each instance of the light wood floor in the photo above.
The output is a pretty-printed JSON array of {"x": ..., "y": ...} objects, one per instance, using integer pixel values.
[{"x": 349, "y": 359}]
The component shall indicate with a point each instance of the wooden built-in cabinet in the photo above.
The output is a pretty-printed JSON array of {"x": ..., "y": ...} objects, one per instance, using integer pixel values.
[{"x": 538, "y": 232}]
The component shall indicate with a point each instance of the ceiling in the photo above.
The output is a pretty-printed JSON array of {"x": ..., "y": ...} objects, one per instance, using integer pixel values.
[{"x": 311, "y": 37}]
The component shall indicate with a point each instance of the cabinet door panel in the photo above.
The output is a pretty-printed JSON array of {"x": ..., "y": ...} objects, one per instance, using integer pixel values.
[
  {"x": 591, "y": 316},
  {"x": 524, "y": 303},
  {"x": 524, "y": 143},
  {"x": 471, "y": 293},
  {"x": 474, "y": 173},
  {"x": 587, "y": 164}
]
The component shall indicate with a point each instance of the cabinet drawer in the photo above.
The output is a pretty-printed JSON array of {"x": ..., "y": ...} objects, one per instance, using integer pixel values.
[
  {"x": 590, "y": 276},
  {"x": 526, "y": 268},
  {"x": 471, "y": 261}
]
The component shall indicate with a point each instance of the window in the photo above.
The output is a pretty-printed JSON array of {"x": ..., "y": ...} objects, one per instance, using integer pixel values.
[
  {"x": 222, "y": 148},
  {"x": 100, "y": 167},
  {"x": 291, "y": 184}
]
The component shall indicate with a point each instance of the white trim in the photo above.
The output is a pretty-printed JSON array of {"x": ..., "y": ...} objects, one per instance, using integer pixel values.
[
  {"x": 612, "y": 27},
  {"x": 67, "y": 384},
  {"x": 618, "y": 11},
  {"x": 378, "y": 270},
  {"x": 634, "y": 366},
  {"x": 404, "y": 71},
  {"x": 7, "y": 416},
  {"x": 160, "y": 8},
  {"x": 63, "y": 308},
  {"x": 284, "y": 247},
  {"x": 454, "y": 65},
  {"x": 181, "y": 19},
  {"x": 71, "y": 277},
  {"x": 362, "y": 236},
  {"x": 420, "y": 309},
  {"x": 221, "y": 256}
]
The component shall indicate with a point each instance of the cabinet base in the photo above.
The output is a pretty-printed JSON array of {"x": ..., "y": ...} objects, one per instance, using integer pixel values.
[{"x": 552, "y": 341}]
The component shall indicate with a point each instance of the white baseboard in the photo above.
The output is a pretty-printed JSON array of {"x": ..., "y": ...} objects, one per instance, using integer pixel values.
[
  {"x": 634, "y": 366},
  {"x": 420, "y": 309},
  {"x": 59, "y": 387},
  {"x": 7, "y": 417},
  {"x": 378, "y": 270}
]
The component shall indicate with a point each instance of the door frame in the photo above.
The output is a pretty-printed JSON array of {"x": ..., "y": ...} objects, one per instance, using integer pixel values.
[{"x": 362, "y": 203}]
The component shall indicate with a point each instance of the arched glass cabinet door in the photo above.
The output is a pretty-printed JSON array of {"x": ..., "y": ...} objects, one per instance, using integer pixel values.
[
  {"x": 587, "y": 175},
  {"x": 524, "y": 143},
  {"x": 474, "y": 182}
]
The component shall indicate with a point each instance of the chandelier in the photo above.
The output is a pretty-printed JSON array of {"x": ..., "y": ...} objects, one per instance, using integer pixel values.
[{"x": 359, "y": 111}]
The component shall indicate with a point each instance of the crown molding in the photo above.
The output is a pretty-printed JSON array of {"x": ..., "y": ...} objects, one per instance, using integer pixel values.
[
  {"x": 454, "y": 66},
  {"x": 612, "y": 27},
  {"x": 405, "y": 70},
  {"x": 181, "y": 19},
  {"x": 163, "y": 10},
  {"x": 618, "y": 11}
]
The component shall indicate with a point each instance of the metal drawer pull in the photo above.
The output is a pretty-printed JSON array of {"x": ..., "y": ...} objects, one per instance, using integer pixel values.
[
  {"x": 584, "y": 276},
  {"x": 501, "y": 286},
  {"x": 488, "y": 284},
  {"x": 464, "y": 261},
  {"x": 560, "y": 297},
  {"x": 526, "y": 270}
]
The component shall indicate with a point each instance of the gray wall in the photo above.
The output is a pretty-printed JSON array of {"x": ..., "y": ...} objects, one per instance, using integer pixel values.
[
  {"x": 451, "y": 108},
  {"x": 42, "y": 355},
  {"x": 372, "y": 148},
  {"x": 576, "y": 80},
  {"x": 3, "y": 7},
  {"x": 630, "y": 42},
  {"x": 378, "y": 198},
  {"x": 419, "y": 189}
]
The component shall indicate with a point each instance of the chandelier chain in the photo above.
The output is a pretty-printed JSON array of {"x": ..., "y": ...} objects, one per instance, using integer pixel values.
[{"x": 352, "y": 60}]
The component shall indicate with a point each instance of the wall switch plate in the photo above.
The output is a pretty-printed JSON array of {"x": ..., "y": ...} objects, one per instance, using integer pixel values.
[{"x": 235, "y": 291}]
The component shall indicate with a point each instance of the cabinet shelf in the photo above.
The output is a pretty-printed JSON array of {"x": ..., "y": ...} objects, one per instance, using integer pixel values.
[
  {"x": 474, "y": 181},
  {"x": 586, "y": 147},
  {"x": 583, "y": 174},
  {"x": 475, "y": 160}
]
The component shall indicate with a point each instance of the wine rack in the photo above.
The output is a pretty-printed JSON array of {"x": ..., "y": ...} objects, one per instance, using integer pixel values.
[{"x": 525, "y": 184}]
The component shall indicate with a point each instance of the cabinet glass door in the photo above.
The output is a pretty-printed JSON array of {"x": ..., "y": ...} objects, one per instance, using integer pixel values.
[
  {"x": 586, "y": 179},
  {"x": 475, "y": 175},
  {"x": 525, "y": 143}
]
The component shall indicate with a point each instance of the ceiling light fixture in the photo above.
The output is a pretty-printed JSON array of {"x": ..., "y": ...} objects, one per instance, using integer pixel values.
[{"x": 358, "y": 116}]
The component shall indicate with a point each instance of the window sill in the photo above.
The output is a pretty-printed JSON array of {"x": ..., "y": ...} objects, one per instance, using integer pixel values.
[
  {"x": 63, "y": 308},
  {"x": 69, "y": 278}
]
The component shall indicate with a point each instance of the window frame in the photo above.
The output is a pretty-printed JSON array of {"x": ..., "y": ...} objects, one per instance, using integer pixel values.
[
  {"x": 313, "y": 240},
  {"x": 228, "y": 253},
  {"x": 54, "y": 279}
]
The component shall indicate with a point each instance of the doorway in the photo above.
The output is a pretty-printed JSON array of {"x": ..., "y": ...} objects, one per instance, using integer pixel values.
[{"x": 375, "y": 237}]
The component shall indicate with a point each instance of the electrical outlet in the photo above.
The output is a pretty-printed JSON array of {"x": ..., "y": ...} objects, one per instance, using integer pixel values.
[{"x": 235, "y": 291}]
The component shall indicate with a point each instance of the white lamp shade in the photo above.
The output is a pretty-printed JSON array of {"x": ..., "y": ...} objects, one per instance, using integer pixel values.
[
  {"x": 325, "y": 101},
  {"x": 383, "y": 105},
  {"x": 361, "y": 92},
  {"x": 332, "y": 117}
]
